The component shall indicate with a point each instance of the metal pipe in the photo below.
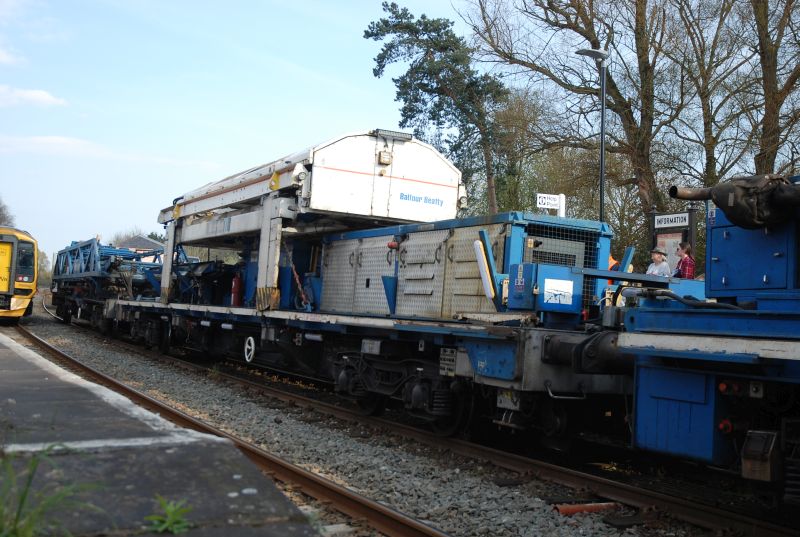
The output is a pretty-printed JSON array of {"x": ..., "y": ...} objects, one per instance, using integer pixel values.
[{"x": 683, "y": 193}]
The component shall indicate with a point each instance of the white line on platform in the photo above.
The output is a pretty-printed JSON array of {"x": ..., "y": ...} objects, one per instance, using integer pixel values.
[
  {"x": 121, "y": 403},
  {"x": 102, "y": 444}
]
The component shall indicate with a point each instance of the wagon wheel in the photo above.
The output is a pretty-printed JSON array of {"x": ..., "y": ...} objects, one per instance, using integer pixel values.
[
  {"x": 249, "y": 349},
  {"x": 455, "y": 422},
  {"x": 66, "y": 314}
]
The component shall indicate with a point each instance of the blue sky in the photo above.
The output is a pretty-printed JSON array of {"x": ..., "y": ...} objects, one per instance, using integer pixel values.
[{"x": 109, "y": 109}]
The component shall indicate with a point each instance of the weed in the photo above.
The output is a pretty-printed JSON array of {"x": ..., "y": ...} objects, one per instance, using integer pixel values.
[
  {"x": 173, "y": 520},
  {"x": 24, "y": 511},
  {"x": 214, "y": 372}
]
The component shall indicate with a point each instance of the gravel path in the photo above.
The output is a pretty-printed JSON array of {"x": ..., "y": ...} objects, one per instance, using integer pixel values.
[{"x": 457, "y": 495}]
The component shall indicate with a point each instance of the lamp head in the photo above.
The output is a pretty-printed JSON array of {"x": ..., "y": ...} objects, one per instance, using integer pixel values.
[{"x": 595, "y": 53}]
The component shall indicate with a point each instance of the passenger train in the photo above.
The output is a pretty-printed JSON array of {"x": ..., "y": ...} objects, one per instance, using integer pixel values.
[{"x": 18, "y": 273}]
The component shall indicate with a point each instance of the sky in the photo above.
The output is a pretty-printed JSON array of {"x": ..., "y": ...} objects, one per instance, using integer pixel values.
[{"x": 110, "y": 109}]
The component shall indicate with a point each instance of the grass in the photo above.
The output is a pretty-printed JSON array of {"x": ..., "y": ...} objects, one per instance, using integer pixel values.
[
  {"x": 214, "y": 372},
  {"x": 24, "y": 512},
  {"x": 172, "y": 519}
]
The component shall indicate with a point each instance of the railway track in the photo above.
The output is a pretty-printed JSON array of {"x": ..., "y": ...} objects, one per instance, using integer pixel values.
[
  {"x": 641, "y": 498},
  {"x": 688, "y": 510},
  {"x": 377, "y": 516}
]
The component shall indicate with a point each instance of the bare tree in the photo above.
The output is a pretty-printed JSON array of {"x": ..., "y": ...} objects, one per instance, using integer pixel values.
[
  {"x": 516, "y": 122},
  {"x": 6, "y": 218},
  {"x": 45, "y": 274},
  {"x": 122, "y": 236},
  {"x": 645, "y": 92},
  {"x": 710, "y": 47},
  {"x": 776, "y": 34}
]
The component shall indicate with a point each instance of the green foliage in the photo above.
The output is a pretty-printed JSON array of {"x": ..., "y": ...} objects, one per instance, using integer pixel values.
[
  {"x": 160, "y": 237},
  {"x": 172, "y": 519},
  {"x": 440, "y": 85},
  {"x": 24, "y": 511},
  {"x": 440, "y": 88}
]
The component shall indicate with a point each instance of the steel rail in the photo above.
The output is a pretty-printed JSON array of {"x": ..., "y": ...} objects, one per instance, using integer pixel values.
[
  {"x": 684, "y": 509},
  {"x": 706, "y": 516},
  {"x": 380, "y": 517}
]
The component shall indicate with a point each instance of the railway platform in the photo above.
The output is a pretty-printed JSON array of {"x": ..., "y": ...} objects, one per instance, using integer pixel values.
[{"x": 116, "y": 459}]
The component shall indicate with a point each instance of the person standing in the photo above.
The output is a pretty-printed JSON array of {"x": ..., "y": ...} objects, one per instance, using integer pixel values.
[
  {"x": 659, "y": 266},
  {"x": 685, "y": 268}
]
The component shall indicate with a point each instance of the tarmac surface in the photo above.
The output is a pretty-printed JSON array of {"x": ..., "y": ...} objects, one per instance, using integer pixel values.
[{"x": 113, "y": 459}]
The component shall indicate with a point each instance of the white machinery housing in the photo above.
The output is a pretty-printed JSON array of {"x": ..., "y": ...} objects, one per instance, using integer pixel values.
[{"x": 357, "y": 180}]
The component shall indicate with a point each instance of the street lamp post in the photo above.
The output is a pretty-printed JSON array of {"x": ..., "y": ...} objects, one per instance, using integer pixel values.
[{"x": 600, "y": 57}]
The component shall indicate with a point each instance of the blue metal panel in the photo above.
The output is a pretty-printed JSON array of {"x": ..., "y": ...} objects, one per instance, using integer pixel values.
[
  {"x": 390, "y": 288},
  {"x": 765, "y": 265},
  {"x": 682, "y": 288},
  {"x": 694, "y": 288},
  {"x": 744, "y": 323},
  {"x": 677, "y": 413},
  {"x": 560, "y": 289},
  {"x": 492, "y": 359},
  {"x": 786, "y": 301},
  {"x": 315, "y": 283},
  {"x": 155, "y": 281},
  {"x": 502, "y": 218},
  {"x": 515, "y": 247},
  {"x": 744, "y": 257},
  {"x": 705, "y": 356},
  {"x": 285, "y": 285},
  {"x": 627, "y": 258},
  {"x": 603, "y": 253},
  {"x": 250, "y": 278},
  {"x": 521, "y": 279}
]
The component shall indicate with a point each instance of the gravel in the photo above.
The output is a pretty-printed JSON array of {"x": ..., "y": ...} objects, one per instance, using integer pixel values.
[{"x": 457, "y": 495}]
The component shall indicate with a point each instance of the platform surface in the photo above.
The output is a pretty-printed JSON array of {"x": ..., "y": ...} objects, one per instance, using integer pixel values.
[{"x": 116, "y": 457}]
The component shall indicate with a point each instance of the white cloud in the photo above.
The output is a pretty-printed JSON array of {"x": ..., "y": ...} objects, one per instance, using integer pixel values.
[
  {"x": 14, "y": 96},
  {"x": 6, "y": 58}
]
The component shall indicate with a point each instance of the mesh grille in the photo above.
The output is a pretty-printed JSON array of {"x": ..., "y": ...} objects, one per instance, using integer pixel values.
[
  {"x": 565, "y": 247},
  {"x": 552, "y": 258}
]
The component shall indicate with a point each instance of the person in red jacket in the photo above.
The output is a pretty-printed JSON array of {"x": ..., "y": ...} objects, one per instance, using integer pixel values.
[{"x": 685, "y": 268}]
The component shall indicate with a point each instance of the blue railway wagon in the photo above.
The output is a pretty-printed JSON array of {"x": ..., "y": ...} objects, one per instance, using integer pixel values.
[
  {"x": 720, "y": 382},
  {"x": 404, "y": 312},
  {"x": 86, "y": 273}
]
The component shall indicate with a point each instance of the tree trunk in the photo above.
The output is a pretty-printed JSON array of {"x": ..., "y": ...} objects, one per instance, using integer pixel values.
[
  {"x": 645, "y": 182},
  {"x": 774, "y": 97},
  {"x": 710, "y": 177}
]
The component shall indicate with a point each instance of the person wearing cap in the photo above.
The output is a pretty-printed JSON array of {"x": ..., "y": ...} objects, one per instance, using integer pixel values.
[{"x": 659, "y": 266}]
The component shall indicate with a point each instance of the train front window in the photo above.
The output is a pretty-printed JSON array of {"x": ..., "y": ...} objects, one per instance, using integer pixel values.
[{"x": 25, "y": 259}]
